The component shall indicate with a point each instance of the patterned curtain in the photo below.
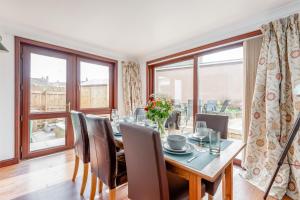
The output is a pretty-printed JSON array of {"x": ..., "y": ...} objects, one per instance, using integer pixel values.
[
  {"x": 131, "y": 86},
  {"x": 273, "y": 109}
]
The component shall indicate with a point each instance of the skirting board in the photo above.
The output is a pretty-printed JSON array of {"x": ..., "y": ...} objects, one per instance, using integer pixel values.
[{"x": 8, "y": 162}]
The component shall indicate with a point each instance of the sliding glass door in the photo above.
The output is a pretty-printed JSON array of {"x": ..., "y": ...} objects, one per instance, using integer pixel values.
[{"x": 220, "y": 86}]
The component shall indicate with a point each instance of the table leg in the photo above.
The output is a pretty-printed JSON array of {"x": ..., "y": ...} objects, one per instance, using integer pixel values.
[
  {"x": 194, "y": 187},
  {"x": 229, "y": 182}
]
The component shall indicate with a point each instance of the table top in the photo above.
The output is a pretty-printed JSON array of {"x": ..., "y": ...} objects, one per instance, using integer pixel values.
[{"x": 214, "y": 165}]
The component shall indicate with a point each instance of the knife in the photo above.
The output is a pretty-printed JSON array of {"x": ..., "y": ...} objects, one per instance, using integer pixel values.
[{"x": 192, "y": 158}]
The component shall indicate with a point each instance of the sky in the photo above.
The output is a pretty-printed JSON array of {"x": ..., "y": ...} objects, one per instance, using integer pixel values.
[{"x": 55, "y": 69}]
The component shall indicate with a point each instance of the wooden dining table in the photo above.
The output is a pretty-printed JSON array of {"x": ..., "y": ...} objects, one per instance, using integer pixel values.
[{"x": 205, "y": 167}]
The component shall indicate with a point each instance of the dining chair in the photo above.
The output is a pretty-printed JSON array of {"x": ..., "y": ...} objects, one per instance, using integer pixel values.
[
  {"x": 217, "y": 123},
  {"x": 107, "y": 164},
  {"x": 81, "y": 146},
  {"x": 148, "y": 178},
  {"x": 174, "y": 118}
]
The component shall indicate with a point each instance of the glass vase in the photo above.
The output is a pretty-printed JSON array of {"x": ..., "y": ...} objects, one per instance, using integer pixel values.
[{"x": 161, "y": 126}]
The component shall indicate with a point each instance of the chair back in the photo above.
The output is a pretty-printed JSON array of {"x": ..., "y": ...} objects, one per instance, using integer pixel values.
[
  {"x": 215, "y": 122},
  {"x": 81, "y": 138},
  {"x": 102, "y": 149},
  {"x": 174, "y": 118},
  {"x": 146, "y": 170}
]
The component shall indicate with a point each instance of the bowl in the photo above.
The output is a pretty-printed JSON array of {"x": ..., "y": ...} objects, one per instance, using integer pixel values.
[{"x": 176, "y": 142}]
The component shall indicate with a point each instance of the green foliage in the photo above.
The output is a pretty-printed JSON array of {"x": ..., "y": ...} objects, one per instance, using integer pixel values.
[{"x": 158, "y": 107}]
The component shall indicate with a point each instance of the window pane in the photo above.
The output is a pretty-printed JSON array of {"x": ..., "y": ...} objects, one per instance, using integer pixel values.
[
  {"x": 47, "y": 133},
  {"x": 47, "y": 83},
  {"x": 176, "y": 81},
  {"x": 94, "y": 85},
  {"x": 221, "y": 86}
]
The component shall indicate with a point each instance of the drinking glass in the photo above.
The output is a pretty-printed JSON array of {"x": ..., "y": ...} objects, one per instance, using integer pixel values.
[
  {"x": 171, "y": 128},
  {"x": 201, "y": 132},
  {"x": 140, "y": 120},
  {"x": 214, "y": 142}
]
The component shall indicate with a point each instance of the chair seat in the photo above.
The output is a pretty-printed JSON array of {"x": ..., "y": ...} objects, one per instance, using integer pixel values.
[
  {"x": 121, "y": 168},
  {"x": 179, "y": 187},
  {"x": 212, "y": 187}
]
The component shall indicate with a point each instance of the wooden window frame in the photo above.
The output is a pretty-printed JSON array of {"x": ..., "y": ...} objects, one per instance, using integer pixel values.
[
  {"x": 100, "y": 110},
  {"x": 194, "y": 54},
  {"x": 19, "y": 42}
]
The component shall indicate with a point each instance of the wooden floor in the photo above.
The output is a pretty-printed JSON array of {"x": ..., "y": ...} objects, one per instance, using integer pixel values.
[{"x": 50, "y": 178}]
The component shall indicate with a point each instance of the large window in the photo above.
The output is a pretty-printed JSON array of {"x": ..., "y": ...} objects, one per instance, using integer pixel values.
[
  {"x": 176, "y": 82},
  {"x": 220, "y": 86}
]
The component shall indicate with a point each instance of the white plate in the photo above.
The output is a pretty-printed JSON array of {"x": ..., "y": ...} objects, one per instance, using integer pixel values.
[
  {"x": 189, "y": 150},
  {"x": 167, "y": 147},
  {"x": 196, "y": 138}
]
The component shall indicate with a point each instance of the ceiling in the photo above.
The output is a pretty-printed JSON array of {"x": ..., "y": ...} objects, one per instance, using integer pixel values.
[{"x": 132, "y": 27}]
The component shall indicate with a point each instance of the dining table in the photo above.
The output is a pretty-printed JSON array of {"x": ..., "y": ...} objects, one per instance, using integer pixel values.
[{"x": 204, "y": 165}]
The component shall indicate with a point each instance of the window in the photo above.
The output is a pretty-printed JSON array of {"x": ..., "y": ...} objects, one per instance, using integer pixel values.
[
  {"x": 94, "y": 85},
  {"x": 220, "y": 86},
  {"x": 176, "y": 82},
  {"x": 55, "y": 81},
  {"x": 48, "y": 80}
]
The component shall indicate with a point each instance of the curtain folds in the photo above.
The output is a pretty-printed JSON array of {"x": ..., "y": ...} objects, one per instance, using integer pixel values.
[
  {"x": 251, "y": 55},
  {"x": 131, "y": 86},
  {"x": 273, "y": 109}
]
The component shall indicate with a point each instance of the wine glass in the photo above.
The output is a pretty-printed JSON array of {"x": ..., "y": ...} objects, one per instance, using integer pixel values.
[
  {"x": 182, "y": 123},
  {"x": 201, "y": 132},
  {"x": 115, "y": 115},
  {"x": 171, "y": 127}
]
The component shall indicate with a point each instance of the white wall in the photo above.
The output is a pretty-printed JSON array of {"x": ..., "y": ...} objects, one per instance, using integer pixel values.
[
  {"x": 7, "y": 87},
  {"x": 7, "y": 99}
]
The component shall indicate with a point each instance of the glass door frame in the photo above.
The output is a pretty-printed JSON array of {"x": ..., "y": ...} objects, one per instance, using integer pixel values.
[
  {"x": 28, "y": 116},
  {"x": 20, "y": 126}
]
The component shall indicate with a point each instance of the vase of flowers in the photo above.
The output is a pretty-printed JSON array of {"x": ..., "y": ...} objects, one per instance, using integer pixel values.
[{"x": 158, "y": 110}]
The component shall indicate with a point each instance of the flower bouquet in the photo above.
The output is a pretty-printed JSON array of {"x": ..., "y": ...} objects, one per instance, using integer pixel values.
[{"x": 158, "y": 110}]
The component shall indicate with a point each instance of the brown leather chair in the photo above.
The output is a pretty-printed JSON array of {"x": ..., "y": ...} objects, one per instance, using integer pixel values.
[
  {"x": 81, "y": 146},
  {"x": 148, "y": 178},
  {"x": 218, "y": 123},
  {"x": 107, "y": 164}
]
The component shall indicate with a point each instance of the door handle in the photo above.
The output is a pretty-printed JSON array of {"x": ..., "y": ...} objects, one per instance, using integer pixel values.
[{"x": 68, "y": 106}]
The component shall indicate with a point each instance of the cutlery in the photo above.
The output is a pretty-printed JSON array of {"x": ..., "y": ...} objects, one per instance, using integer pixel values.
[{"x": 193, "y": 158}]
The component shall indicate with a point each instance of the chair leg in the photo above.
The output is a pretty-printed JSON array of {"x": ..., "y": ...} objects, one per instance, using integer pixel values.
[
  {"x": 93, "y": 187},
  {"x": 75, "y": 168},
  {"x": 223, "y": 188},
  {"x": 84, "y": 178},
  {"x": 100, "y": 186},
  {"x": 112, "y": 194},
  {"x": 210, "y": 197}
]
